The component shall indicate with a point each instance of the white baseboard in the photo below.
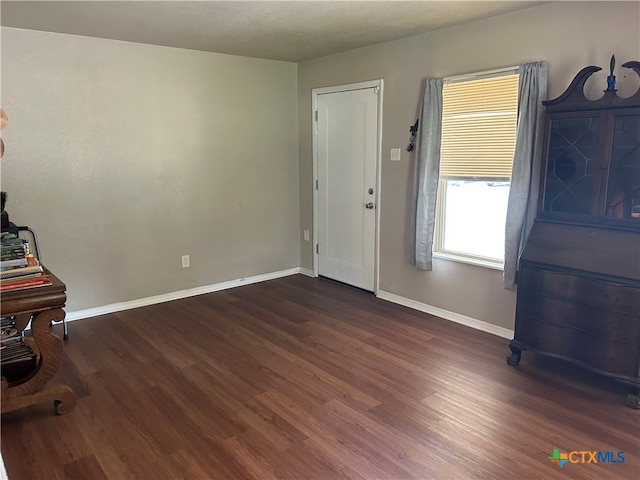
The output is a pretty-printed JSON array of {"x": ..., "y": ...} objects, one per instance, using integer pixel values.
[
  {"x": 391, "y": 297},
  {"x": 447, "y": 315},
  {"x": 306, "y": 271},
  {"x": 167, "y": 297}
]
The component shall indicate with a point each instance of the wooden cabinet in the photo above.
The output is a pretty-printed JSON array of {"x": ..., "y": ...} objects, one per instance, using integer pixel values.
[{"x": 578, "y": 294}]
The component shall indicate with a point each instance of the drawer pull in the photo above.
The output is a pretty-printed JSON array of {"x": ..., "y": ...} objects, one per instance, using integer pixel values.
[
  {"x": 609, "y": 327},
  {"x": 612, "y": 298}
]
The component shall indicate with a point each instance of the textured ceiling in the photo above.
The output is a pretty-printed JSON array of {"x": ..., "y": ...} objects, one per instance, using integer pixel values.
[{"x": 278, "y": 30}]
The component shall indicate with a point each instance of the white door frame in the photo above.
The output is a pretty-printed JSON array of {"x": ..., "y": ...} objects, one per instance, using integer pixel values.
[{"x": 314, "y": 108}]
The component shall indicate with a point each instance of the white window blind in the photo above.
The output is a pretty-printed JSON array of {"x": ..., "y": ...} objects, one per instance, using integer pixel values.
[{"x": 479, "y": 128}]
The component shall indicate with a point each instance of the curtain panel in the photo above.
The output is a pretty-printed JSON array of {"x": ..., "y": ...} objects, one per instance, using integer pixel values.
[
  {"x": 523, "y": 193},
  {"x": 527, "y": 160},
  {"x": 426, "y": 174}
]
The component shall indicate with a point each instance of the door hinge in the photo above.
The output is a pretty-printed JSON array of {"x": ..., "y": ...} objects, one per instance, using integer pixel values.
[
  {"x": 316, "y": 115},
  {"x": 376, "y": 90},
  {"x": 317, "y": 248},
  {"x": 316, "y": 184}
]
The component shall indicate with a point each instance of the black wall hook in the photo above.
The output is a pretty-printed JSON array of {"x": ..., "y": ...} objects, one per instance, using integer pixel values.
[{"x": 413, "y": 130}]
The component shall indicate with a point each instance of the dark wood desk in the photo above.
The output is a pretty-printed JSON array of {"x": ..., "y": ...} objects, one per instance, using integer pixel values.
[{"x": 42, "y": 306}]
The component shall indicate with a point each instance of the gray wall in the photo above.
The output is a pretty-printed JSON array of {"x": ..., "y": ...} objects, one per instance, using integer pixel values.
[
  {"x": 125, "y": 156},
  {"x": 569, "y": 35}
]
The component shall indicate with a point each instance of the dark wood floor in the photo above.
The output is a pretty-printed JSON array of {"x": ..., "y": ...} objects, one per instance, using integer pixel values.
[{"x": 302, "y": 378}]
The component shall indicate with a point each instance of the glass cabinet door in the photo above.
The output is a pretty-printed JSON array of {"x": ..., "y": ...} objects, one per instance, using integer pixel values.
[
  {"x": 623, "y": 188},
  {"x": 571, "y": 165}
]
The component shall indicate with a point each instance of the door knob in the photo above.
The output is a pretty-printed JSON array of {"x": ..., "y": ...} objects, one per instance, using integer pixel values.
[{"x": 369, "y": 205}]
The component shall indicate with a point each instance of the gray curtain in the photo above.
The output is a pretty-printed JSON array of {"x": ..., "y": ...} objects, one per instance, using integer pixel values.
[
  {"x": 523, "y": 193},
  {"x": 426, "y": 175}
]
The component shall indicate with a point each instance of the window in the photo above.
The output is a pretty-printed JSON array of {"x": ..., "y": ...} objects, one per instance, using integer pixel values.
[{"x": 478, "y": 140}]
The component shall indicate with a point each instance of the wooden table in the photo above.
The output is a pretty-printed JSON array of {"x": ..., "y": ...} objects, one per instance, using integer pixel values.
[{"x": 41, "y": 305}]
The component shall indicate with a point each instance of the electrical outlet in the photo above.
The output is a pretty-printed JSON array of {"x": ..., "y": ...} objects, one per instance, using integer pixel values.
[
  {"x": 185, "y": 261},
  {"x": 306, "y": 235}
]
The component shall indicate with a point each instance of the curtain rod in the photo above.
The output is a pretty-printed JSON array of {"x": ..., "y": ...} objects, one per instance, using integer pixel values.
[{"x": 479, "y": 75}]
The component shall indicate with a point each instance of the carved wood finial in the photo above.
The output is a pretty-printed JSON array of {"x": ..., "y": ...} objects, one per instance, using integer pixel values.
[
  {"x": 612, "y": 64},
  {"x": 611, "y": 79}
]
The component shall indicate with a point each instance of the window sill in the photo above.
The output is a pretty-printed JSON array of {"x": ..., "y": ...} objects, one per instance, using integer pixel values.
[{"x": 480, "y": 262}]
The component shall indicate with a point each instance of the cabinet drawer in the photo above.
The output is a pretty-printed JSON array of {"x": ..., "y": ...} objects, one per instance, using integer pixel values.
[
  {"x": 590, "y": 291},
  {"x": 607, "y": 356},
  {"x": 620, "y": 327}
]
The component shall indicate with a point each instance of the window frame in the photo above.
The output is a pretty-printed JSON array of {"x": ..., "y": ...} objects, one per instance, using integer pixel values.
[
  {"x": 438, "y": 240},
  {"x": 438, "y": 236}
]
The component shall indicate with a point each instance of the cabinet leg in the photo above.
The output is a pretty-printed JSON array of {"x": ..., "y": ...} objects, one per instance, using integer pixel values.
[
  {"x": 516, "y": 354},
  {"x": 633, "y": 399},
  {"x": 63, "y": 399}
]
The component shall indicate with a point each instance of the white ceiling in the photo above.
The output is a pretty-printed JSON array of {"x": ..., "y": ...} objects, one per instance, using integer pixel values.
[{"x": 279, "y": 30}]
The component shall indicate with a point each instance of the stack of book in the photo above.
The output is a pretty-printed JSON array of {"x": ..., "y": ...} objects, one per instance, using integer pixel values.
[
  {"x": 19, "y": 269},
  {"x": 7, "y": 328},
  {"x": 17, "y": 358}
]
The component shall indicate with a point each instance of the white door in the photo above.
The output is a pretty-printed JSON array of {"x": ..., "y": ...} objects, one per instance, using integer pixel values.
[{"x": 347, "y": 144}]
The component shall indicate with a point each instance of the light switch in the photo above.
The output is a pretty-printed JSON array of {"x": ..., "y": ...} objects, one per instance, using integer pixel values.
[{"x": 395, "y": 154}]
